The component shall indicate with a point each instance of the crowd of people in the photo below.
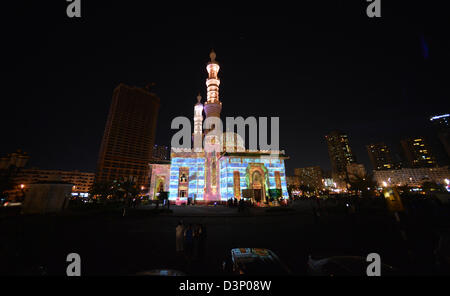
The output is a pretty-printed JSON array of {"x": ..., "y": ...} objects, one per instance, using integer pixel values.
[
  {"x": 241, "y": 204},
  {"x": 190, "y": 240}
]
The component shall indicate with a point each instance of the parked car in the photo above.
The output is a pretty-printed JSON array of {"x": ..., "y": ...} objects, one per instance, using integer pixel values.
[
  {"x": 344, "y": 266},
  {"x": 257, "y": 261}
]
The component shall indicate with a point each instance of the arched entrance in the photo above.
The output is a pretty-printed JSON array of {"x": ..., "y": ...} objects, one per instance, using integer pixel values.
[
  {"x": 257, "y": 179},
  {"x": 160, "y": 183},
  {"x": 258, "y": 186}
]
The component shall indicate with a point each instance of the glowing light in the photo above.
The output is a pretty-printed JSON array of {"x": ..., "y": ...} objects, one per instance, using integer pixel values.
[
  {"x": 439, "y": 116},
  {"x": 384, "y": 184},
  {"x": 22, "y": 186}
]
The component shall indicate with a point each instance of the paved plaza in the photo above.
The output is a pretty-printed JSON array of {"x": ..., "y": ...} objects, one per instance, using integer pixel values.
[{"x": 110, "y": 244}]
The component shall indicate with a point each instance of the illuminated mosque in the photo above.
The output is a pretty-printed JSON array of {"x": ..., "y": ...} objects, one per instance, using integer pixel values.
[{"x": 214, "y": 175}]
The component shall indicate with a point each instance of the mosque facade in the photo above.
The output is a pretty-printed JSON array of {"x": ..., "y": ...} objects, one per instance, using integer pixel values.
[{"x": 214, "y": 175}]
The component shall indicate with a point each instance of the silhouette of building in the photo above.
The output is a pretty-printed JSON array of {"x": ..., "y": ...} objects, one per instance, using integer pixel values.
[
  {"x": 356, "y": 171},
  {"x": 127, "y": 144},
  {"x": 15, "y": 160},
  {"x": 340, "y": 156}
]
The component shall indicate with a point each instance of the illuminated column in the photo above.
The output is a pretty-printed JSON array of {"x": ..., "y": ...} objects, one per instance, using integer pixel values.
[
  {"x": 212, "y": 108},
  {"x": 198, "y": 122}
]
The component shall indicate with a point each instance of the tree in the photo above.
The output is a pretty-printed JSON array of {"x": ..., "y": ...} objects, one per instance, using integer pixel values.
[
  {"x": 275, "y": 194},
  {"x": 306, "y": 188},
  {"x": 129, "y": 189},
  {"x": 6, "y": 182},
  {"x": 363, "y": 183},
  {"x": 102, "y": 190}
]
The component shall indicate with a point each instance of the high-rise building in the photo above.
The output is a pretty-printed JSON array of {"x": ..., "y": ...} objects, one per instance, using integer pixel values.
[
  {"x": 310, "y": 176},
  {"x": 340, "y": 156},
  {"x": 442, "y": 125},
  {"x": 380, "y": 156},
  {"x": 160, "y": 153},
  {"x": 129, "y": 136},
  {"x": 417, "y": 152}
]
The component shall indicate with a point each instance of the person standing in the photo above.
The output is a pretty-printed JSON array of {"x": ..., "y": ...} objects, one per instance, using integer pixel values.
[
  {"x": 201, "y": 241},
  {"x": 189, "y": 240},
  {"x": 179, "y": 236},
  {"x": 196, "y": 241}
]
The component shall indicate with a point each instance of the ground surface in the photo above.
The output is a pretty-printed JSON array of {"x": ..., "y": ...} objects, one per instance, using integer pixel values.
[{"x": 110, "y": 244}]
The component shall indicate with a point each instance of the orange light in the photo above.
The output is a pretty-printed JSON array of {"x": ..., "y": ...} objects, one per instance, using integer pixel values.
[{"x": 22, "y": 186}]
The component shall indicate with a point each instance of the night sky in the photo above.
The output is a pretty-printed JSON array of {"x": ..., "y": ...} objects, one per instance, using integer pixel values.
[{"x": 318, "y": 68}]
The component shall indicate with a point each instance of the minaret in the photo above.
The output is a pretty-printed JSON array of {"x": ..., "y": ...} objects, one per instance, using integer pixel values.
[
  {"x": 212, "y": 108},
  {"x": 198, "y": 125}
]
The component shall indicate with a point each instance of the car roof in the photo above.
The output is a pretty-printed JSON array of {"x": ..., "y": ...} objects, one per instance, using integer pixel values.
[
  {"x": 258, "y": 261},
  {"x": 242, "y": 253}
]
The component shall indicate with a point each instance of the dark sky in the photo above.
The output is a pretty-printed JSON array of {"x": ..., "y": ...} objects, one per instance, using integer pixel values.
[{"x": 317, "y": 67}]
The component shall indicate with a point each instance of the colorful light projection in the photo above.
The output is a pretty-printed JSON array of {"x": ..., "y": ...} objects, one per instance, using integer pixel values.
[
  {"x": 229, "y": 166},
  {"x": 195, "y": 166}
]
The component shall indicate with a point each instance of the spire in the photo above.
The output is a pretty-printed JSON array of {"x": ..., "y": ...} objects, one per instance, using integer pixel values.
[
  {"x": 199, "y": 98},
  {"x": 213, "y": 81},
  {"x": 212, "y": 56}
]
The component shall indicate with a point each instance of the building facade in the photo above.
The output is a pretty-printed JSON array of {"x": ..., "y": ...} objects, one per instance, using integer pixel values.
[
  {"x": 412, "y": 177},
  {"x": 128, "y": 140},
  {"x": 218, "y": 171},
  {"x": 356, "y": 171},
  {"x": 159, "y": 179},
  {"x": 310, "y": 176},
  {"x": 417, "y": 152},
  {"x": 81, "y": 181},
  {"x": 380, "y": 156}
]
